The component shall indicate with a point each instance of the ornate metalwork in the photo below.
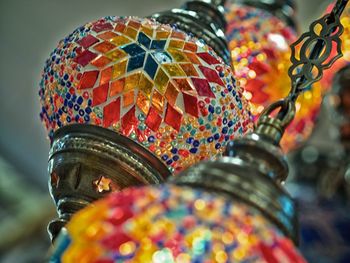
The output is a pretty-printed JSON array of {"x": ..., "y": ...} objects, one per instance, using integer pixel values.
[
  {"x": 87, "y": 162},
  {"x": 308, "y": 64}
]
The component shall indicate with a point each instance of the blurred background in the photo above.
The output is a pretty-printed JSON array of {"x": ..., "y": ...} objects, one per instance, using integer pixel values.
[{"x": 29, "y": 31}]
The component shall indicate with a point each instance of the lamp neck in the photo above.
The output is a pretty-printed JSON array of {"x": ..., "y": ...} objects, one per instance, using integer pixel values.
[
  {"x": 283, "y": 9},
  {"x": 88, "y": 162},
  {"x": 204, "y": 19}
]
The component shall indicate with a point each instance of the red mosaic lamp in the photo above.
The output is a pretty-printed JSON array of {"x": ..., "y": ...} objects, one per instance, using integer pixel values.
[
  {"x": 259, "y": 34},
  {"x": 128, "y": 101},
  {"x": 232, "y": 209}
]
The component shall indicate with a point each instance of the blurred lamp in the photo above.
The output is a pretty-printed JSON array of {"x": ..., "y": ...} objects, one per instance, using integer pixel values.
[
  {"x": 127, "y": 101},
  {"x": 259, "y": 34}
]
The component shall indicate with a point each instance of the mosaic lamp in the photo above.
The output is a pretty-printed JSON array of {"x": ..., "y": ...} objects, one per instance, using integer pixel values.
[
  {"x": 259, "y": 34},
  {"x": 232, "y": 209},
  {"x": 128, "y": 101}
]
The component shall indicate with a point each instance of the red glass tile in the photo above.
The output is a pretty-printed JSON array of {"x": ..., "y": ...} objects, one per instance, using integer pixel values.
[
  {"x": 267, "y": 253},
  {"x": 153, "y": 119},
  {"x": 203, "y": 88},
  {"x": 99, "y": 94},
  {"x": 171, "y": 93},
  {"x": 119, "y": 27},
  {"x": 87, "y": 41},
  {"x": 193, "y": 58},
  {"x": 100, "y": 61},
  {"x": 88, "y": 79},
  {"x": 129, "y": 122},
  {"x": 134, "y": 24},
  {"x": 211, "y": 75},
  {"x": 128, "y": 98},
  {"x": 107, "y": 35},
  {"x": 111, "y": 113},
  {"x": 116, "y": 87},
  {"x": 208, "y": 58},
  {"x": 173, "y": 117},
  {"x": 85, "y": 57},
  {"x": 191, "y": 104},
  {"x": 178, "y": 34},
  {"x": 101, "y": 26},
  {"x": 106, "y": 75},
  {"x": 104, "y": 47},
  {"x": 259, "y": 67}
]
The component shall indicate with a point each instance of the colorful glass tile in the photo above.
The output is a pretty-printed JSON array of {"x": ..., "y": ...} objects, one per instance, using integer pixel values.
[
  {"x": 145, "y": 89},
  {"x": 100, "y": 94},
  {"x": 172, "y": 224}
]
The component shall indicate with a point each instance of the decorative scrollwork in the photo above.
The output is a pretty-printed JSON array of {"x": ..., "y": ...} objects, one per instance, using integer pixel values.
[{"x": 315, "y": 51}]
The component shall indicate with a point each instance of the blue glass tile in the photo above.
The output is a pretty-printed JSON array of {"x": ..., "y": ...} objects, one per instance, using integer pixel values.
[
  {"x": 133, "y": 49},
  {"x": 136, "y": 62},
  {"x": 144, "y": 40},
  {"x": 158, "y": 44},
  {"x": 151, "y": 66}
]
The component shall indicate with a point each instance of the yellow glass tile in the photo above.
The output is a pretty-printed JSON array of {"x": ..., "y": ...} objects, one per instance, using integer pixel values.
[
  {"x": 171, "y": 93},
  {"x": 147, "y": 30},
  {"x": 116, "y": 87},
  {"x": 130, "y": 32},
  {"x": 177, "y": 44},
  {"x": 174, "y": 70},
  {"x": 161, "y": 80},
  {"x": 132, "y": 81},
  {"x": 116, "y": 54},
  {"x": 146, "y": 85},
  {"x": 189, "y": 69},
  {"x": 128, "y": 98},
  {"x": 178, "y": 55},
  {"x": 158, "y": 101},
  {"x": 120, "y": 40},
  {"x": 162, "y": 34},
  {"x": 142, "y": 102},
  {"x": 119, "y": 69}
]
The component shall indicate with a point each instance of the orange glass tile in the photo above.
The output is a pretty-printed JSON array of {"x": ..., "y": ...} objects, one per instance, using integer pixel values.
[
  {"x": 130, "y": 32},
  {"x": 132, "y": 81},
  {"x": 119, "y": 27},
  {"x": 128, "y": 98},
  {"x": 161, "y": 80},
  {"x": 158, "y": 101},
  {"x": 183, "y": 85},
  {"x": 178, "y": 34},
  {"x": 193, "y": 58},
  {"x": 190, "y": 46},
  {"x": 106, "y": 75},
  {"x": 147, "y": 30},
  {"x": 104, "y": 47},
  {"x": 119, "y": 69},
  {"x": 116, "y": 54},
  {"x": 107, "y": 35},
  {"x": 120, "y": 40},
  {"x": 178, "y": 55},
  {"x": 116, "y": 87},
  {"x": 174, "y": 70},
  {"x": 142, "y": 102},
  {"x": 189, "y": 69},
  {"x": 134, "y": 24},
  {"x": 146, "y": 85},
  {"x": 162, "y": 34},
  {"x": 177, "y": 44},
  {"x": 171, "y": 93},
  {"x": 100, "y": 61}
]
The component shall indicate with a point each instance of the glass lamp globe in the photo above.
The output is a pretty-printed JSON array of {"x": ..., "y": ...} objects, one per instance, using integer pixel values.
[
  {"x": 171, "y": 224},
  {"x": 259, "y": 35},
  {"x": 129, "y": 101}
]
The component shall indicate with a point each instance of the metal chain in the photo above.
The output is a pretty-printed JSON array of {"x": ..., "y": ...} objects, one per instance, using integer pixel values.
[{"x": 312, "y": 53}]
